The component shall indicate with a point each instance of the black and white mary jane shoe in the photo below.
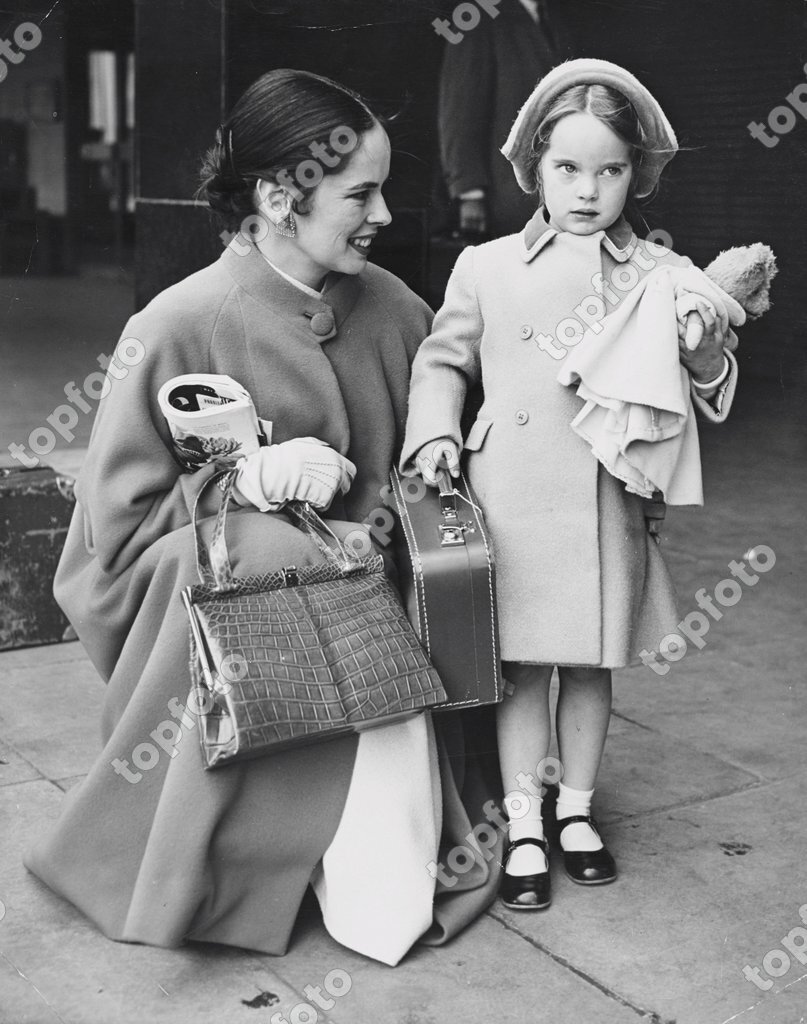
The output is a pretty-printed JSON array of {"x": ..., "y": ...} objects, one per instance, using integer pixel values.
[
  {"x": 525, "y": 892},
  {"x": 587, "y": 867}
]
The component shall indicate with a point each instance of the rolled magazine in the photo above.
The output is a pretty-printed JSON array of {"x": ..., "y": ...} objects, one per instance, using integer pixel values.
[{"x": 211, "y": 417}]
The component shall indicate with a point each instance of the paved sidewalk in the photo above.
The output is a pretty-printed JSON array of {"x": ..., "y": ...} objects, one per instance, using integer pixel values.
[{"x": 701, "y": 798}]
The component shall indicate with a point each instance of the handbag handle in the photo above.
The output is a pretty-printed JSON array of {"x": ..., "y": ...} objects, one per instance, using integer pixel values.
[
  {"x": 312, "y": 524},
  {"x": 213, "y": 565}
]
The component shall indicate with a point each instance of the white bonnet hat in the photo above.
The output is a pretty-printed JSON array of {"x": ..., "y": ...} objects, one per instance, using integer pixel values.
[{"x": 661, "y": 143}]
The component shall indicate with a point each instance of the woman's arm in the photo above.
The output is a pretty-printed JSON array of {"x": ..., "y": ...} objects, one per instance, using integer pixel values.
[{"x": 131, "y": 489}]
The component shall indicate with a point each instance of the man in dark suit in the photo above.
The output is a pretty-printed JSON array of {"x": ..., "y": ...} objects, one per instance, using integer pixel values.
[{"x": 486, "y": 76}]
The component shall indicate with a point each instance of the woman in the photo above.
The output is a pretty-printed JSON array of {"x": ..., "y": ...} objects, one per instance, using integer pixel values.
[{"x": 157, "y": 850}]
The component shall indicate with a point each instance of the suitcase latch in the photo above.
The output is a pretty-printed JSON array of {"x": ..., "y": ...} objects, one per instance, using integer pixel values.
[
  {"x": 452, "y": 528},
  {"x": 452, "y": 535}
]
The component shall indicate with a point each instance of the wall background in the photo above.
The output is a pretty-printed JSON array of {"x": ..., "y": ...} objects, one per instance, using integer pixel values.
[{"x": 715, "y": 65}]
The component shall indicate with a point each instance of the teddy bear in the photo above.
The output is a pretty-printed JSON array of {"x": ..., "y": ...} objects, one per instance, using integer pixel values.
[{"x": 745, "y": 272}]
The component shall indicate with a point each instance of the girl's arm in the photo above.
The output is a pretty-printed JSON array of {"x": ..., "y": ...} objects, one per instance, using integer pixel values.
[
  {"x": 712, "y": 367},
  {"x": 447, "y": 362},
  {"x": 714, "y": 402}
]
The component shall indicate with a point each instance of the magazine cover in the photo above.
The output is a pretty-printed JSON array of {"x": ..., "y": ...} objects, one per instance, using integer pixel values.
[{"x": 211, "y": 416}]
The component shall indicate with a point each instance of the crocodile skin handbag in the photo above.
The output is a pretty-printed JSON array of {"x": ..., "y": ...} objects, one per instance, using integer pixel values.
[{"x": 298, "y": 655}]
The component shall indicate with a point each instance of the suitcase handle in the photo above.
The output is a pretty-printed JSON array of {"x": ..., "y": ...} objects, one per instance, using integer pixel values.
[
  {"x": 448, "y": 497},
  {"x": 451, "y": 530}
]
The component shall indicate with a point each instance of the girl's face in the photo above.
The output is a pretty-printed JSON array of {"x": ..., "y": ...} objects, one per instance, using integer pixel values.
[
  {"x": 585, "y": 174},
  {"x": 347, "y": 209}
]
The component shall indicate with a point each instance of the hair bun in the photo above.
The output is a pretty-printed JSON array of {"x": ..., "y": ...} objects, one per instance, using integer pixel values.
[{"x": 227, "y": 194}]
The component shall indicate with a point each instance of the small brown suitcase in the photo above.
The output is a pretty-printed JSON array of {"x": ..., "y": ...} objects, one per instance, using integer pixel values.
[{"x": 447, "y": 582}]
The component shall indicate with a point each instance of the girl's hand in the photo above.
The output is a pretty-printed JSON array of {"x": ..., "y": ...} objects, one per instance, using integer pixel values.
[
  {"x": 440, "y": 454},
  {"x": 705, "y": 362}
]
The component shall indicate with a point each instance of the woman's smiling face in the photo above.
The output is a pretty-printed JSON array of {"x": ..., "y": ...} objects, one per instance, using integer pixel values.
[
  {"x": 585, "y": 173},
  {"x": 346, "y": 212}
]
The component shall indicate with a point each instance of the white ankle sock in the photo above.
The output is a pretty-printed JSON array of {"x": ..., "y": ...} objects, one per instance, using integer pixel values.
[
  {"x": 527, "y": 859},
  {"x": 578, "y": 836}
]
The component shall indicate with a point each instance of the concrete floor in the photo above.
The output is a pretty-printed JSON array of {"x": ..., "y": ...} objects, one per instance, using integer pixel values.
[{"x": 701, "y": 796}]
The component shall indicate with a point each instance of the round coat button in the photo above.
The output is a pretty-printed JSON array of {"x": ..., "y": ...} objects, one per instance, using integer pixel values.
[
  {"x": 522, "y": 416},
  {"x": 526, "y": 332},
  {"x": 322, "y": 323}
]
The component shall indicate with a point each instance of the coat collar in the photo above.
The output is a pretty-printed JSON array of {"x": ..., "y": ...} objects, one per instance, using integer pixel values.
[
  {"x": 319, "y": 318},
  {"x": 619, "y": 240}
]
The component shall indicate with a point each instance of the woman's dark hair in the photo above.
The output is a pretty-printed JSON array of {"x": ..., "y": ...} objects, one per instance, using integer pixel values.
[
  {"x": 289, "y": 126},
  {"x": 607, "y": 105}
]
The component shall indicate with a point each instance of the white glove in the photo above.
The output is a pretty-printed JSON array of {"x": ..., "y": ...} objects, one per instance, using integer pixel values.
[{"x": 305, "y": 469}]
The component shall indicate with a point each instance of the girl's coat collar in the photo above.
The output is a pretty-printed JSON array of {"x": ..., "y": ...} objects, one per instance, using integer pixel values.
[{"x": 619, "y": 240}]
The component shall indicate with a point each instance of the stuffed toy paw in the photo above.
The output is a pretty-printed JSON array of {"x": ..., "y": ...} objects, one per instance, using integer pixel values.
[{"x": 745, "y": 273}]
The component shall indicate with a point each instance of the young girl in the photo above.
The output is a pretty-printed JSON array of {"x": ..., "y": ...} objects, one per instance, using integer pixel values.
[{"x": 580, "y": 584}]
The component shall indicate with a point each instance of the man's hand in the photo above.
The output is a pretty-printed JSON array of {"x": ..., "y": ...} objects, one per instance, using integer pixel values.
[{"x": 473, "y": 216}]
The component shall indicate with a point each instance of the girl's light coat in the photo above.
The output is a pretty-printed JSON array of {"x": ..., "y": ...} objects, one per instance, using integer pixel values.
[{"x": 579, "y": 580}]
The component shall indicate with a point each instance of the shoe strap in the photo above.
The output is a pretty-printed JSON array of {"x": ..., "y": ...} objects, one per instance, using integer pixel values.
[
  {"x": 531, "y": 840},
  {"x": 583, "y": 819}
]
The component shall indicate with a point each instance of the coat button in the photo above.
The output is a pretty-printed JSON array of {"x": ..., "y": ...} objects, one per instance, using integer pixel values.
[
  {"x": 522, "y": 416},
  {"x": 526, "y": 332},
  {"x": 322, "y": 323}
]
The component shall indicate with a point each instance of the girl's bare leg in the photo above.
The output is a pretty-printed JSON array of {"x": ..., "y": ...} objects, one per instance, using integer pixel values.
[
  {"x": 523, "y": 727},
  {"x": 583, "y": 715}
]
